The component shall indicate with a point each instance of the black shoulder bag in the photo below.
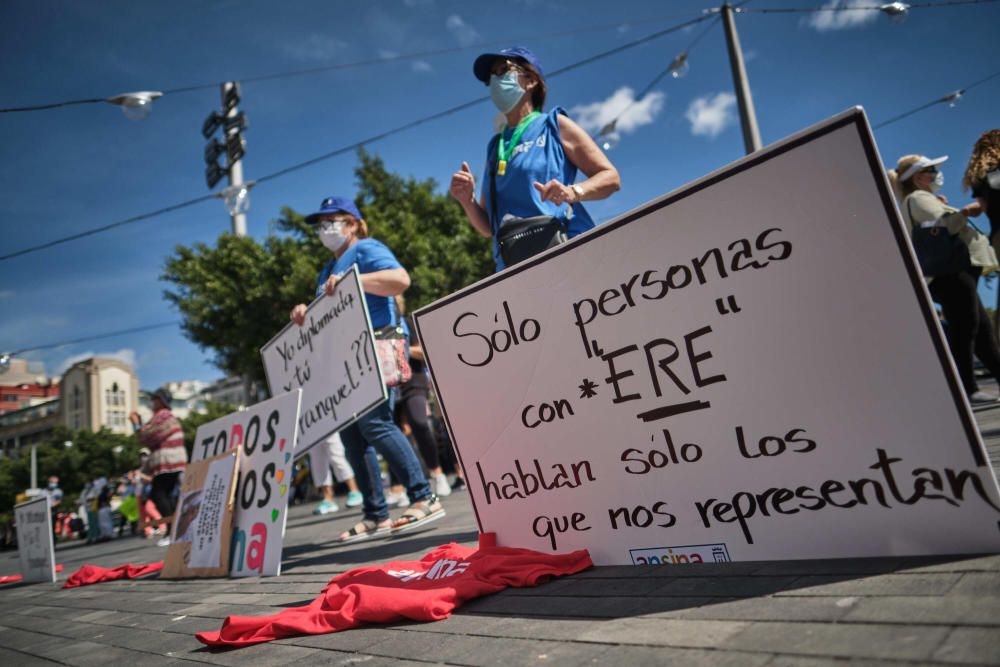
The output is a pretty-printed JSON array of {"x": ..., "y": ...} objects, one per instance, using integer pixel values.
[
  {"x": 938, "y": 252},
  {"x": 521, "y": 238}
]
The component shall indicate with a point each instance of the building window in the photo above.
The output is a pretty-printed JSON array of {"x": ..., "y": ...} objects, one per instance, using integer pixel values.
[
  {"x": 77, "y": 400},
  {"x": 114, "y": 396}
]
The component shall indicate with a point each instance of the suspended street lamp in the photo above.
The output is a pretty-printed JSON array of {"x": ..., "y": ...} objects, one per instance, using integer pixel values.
[
  {"x": 137, "y": 105},
  {"x": 953, "y": 98},
  {"x": 679, "y": 65}
]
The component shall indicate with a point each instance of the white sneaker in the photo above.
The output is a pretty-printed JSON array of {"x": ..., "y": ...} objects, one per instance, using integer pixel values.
[
  {"x": 441, "y": 485},
  {"x": 397, "y": 499},
  {"x": 165, "y": 542}
]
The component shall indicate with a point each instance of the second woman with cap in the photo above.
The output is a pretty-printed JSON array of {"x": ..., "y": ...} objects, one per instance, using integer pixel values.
[
  {"x": 531, "y": 165},
  {"x": 343, "y": 231}
]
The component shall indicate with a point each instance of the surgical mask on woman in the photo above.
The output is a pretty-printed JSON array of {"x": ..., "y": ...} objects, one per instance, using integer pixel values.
[
  {"x": 331, "y": 234},
  {"x": 938, "y": 182},
  {"x": 505, "y": 91}
]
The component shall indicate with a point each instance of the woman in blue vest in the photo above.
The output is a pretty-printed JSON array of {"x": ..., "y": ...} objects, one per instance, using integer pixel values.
[
  {"x": 534, "y": 159},
  {"x": 343, "y": 231}
]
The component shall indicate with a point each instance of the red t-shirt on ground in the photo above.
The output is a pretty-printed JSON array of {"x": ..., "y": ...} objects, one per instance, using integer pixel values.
[{"x": 424, "y": 590}]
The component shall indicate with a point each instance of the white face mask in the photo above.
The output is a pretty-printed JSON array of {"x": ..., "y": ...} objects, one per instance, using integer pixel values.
[
  {"x": 331, "y": 234},
  {"x": 938, "y": 182}
]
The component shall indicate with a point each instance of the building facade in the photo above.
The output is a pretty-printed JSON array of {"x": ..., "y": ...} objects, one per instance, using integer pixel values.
[
  {"x": 23, "y": 384},
  {"x": 99, "y": 392}
]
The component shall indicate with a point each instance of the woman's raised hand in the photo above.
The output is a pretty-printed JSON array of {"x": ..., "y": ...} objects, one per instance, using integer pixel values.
[
  {"x": 299, "y": 314},
  {"x": 556, "y": 192},
  {"x": 463, "y": 185}
]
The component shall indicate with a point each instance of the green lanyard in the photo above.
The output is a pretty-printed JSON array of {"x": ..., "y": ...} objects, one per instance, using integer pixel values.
[{"x": 504, "y": 153}]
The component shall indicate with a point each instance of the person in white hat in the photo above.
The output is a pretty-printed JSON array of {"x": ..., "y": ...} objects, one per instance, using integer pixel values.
[{"x": 916, "y": 180}]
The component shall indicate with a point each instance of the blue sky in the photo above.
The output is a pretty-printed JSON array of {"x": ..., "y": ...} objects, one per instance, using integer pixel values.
[{"x": 70, "y": 169}]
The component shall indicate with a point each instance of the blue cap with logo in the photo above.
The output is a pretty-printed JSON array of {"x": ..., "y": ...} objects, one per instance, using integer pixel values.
[
  {"x": 334, "y": 205},
  {"x": 481, "y": 68}
]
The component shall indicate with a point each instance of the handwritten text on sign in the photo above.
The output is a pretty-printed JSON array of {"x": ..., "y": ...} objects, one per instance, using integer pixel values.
[
  {"x": 35, "y": 549},
  {"x": 332, "y": 358},
  {"x": 266, "y": 432},
  {"x": 746, "y": 369}
]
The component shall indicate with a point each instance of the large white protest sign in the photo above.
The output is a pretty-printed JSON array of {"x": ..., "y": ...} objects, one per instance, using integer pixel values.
[
  {"x": 332, "y": 358},
  {"x": 266, "y": 433},
  {"x": 747, "y": 368},
  {"x": 35, "y": 548}
]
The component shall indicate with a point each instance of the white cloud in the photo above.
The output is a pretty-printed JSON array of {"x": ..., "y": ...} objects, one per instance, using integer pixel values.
[
  {"x": 711, "y": 114},
  {"x": 593, "y": 117},
  {"x": 463, "y": 32},
  {"x": 125, "y": 354},
  {"x": 387, "y": 54},
  {"x": 314, "y": 47},
  {"x": 412, "y": 4},
  {"x": 842, "y": 17},
  {"x": 750, "y": 54},
  {"x": 6, "y": 294},
  {"x": 421, "y": 66}
]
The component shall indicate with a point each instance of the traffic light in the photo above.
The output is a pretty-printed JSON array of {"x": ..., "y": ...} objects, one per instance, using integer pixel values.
[{"x": 232, "y": 122}]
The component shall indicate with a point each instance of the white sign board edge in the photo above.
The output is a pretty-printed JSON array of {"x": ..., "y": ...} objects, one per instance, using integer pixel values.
[
  {"x": 281, "y": 453},
  {"x": 350, "y": 278},
  {"x": 43, "y": 572},
  {"x": 853, "y": 117}
]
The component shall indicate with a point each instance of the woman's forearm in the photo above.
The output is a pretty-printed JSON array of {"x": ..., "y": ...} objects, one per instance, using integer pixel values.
[
  {"x": 601, "y": 185},
  {"x": 477, "y": 218},
  {"x": 388, "y": 282}
]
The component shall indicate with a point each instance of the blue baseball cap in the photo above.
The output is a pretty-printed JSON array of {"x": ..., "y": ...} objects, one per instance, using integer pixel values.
[
  {"x": 481, "y": 68},
  {"x": 334, "y": 205}
]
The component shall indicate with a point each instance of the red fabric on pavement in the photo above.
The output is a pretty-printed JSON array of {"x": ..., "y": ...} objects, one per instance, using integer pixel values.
[
  {"x": 11, "y": 578},
  {"x": 94, "y": 574},
  {"x": 424, "y": 590}
]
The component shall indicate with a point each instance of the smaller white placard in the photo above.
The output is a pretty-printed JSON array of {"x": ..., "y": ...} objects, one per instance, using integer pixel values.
[
  {"x": 35, "y": 547},
  {"x": 332, "y": 358},
  {"x": 207, "y": 507}
]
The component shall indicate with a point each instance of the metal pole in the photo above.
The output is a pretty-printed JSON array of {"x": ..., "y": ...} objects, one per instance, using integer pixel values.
[
  {"x": 34, "y": 466},
  {"x": 748, "y": 117},
  {"x": 239, "y": 220}
]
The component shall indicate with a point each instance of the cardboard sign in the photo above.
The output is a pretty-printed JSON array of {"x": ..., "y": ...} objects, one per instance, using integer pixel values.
[
  {"x": 202, "y": 525},
  {"x": 747, "y": 368},
  {"x": 265, "y": 433},
  {"x": 332, "y": 358},
  {"x": 35, "y": 548}
]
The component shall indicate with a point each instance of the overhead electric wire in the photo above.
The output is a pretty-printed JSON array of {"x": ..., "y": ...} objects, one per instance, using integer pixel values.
[
  {"x": 109, "y": 334},
  {"x": 852, "y": 8},
  {"x": 352, "y": 65},
  {"x": 357, "y": 144},
  {"x": 952, "y": 96},
  {"x": 104, "y": 228}
]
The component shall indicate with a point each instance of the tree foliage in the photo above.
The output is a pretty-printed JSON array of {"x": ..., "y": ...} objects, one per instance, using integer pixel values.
[{"x": 235, "y": 296}]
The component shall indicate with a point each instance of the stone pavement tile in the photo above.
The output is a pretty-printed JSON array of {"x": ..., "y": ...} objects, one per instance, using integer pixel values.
[
  {"x": 640, "y": 656},
  {"x": 679, "y": 633},
  {"x": 830, "y": 566},
  {"x": 555, "y": 629},
  {"x": 729, "y": 587},
  {"x": 944, "y": 610},
  {"x": 989, "y": 563},
  {"x": 463, "y": 624},
  {"x": 432, "y": 648},
  {"x": 260, "y": 655},
  {"x": 10, "y": 658},
  {"x": 55, "y": 627},
  {"x": 970, "y": 645},
  {"x": 349, "y": 641},
  {"x": 767, "y": 609},
  {"x": 745, "y": 568},
  {"x": 606, "y": 607},
  {"x": 28, "y": 642},
  {"x": 496, "y": 652},
  {"x": 845, "y": 640},
  {"x": 887, "y": 584},
  {"x": 987, "y": 583},
  {"x": 801, "y": 661}
]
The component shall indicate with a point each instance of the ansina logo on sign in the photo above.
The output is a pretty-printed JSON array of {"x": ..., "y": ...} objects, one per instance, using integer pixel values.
[{"x": 691, "y": 553}]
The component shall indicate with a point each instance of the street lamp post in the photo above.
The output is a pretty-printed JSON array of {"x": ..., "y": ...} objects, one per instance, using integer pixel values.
[{"x": 748, "y": 117}]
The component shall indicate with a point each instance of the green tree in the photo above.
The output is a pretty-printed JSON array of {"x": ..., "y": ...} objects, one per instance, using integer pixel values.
[
  {"x": 191, "y": 423},
  {"x": 235, "y": 296}
]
